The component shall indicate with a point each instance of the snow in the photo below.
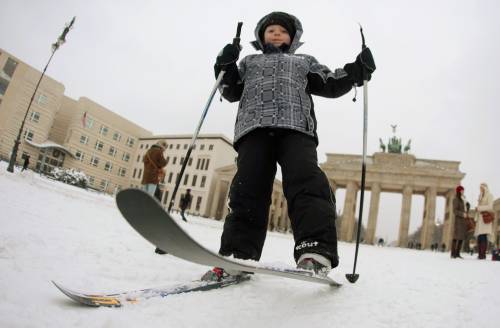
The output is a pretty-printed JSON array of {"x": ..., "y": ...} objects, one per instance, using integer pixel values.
[{"x": 53, "y": 231}]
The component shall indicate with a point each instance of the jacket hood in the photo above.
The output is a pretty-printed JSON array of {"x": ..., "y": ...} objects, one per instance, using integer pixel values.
[{"x": 295, "y": 43}]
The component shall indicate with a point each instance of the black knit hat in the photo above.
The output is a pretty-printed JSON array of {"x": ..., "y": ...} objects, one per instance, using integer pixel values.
[{"x": 278, "y": 18}]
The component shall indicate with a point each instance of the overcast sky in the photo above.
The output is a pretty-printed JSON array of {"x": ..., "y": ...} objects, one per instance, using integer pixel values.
[{"x": 152, "y": 62}]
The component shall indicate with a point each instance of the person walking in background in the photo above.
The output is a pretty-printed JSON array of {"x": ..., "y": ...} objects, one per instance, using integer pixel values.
[
  {"x": 459, "y": 226},
  {"x": 185, "y": 203},
  {"x": 154, "y": 163},
  {"x": 484, "y": 220},
  {"x": 26, "y": 162}
]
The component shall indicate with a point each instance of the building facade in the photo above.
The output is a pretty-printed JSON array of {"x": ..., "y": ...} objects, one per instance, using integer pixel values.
[{"x": 17, "y": 82}]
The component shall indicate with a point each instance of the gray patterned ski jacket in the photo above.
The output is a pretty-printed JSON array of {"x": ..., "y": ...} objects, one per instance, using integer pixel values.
[{"x": 274, "y": 88}]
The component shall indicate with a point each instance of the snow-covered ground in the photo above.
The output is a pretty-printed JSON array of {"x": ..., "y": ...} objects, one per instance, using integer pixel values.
[{"x": 52, "y": 231}]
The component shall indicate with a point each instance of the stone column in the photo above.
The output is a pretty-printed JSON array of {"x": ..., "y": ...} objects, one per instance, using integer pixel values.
[
  {"x": 215, "y": 200},
  {"x": 373, "y": 215},
  {"x": 333, "y": 185},
  {"x": 429, "y": 218},
  {"x": 348, "y": 214},
  {"x": 449, "y": 220},
  {"x": 404, "y": 221},
  {"x": 225, "y": 195}
]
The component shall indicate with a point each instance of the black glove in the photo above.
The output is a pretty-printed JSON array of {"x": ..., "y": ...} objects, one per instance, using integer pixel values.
[
  {"x": 362, "y": 68},
  {"x": 228, "y": 55}
]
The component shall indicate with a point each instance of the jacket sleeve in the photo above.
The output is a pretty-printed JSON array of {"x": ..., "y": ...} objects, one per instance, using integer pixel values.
[
  {"x": 231, "y": 86},
  {"x": 325, "y": 83}
]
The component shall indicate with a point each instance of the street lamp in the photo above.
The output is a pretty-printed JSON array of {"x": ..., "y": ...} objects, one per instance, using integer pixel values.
[{"x": 60, "y": 40}]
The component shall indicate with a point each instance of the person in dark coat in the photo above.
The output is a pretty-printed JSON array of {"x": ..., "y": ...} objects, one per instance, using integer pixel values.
[
  {"x": 185, "y": 202},
  {"x": 276, "y": 123},
  {"x": 26, "y": 162},
  {"x": 460, "y": 225}
]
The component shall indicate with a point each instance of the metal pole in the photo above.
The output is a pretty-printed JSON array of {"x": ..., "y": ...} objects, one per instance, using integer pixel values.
[
  {"x": 236, "y": 41},
  {"x": 352, "y": 278},
  {"x": 60, "y": 40},
  {"x": 13, "y": 156}
]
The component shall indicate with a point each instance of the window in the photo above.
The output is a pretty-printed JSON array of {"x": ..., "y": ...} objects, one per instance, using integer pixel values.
[
  {"x": 130, "y": 142},
  {"x": 117, "y": 136},
  {"x": 182, "y": 161},
  {"x": 3, "y": 85},
  {"x": 185, "y": 146},
  {"x": 186, "y": 178},
  {"x": 170, "y": 146},
  {"x": 198, "y": 203},
  {"x": 142, "y": 145},
  {"x": 167, "y": 159},
  {"x": 79, "y": 155},
  {"x": 202, "y": 147},
  {"x": 112, "y": 151},
  {"x": 133, "y": 174},
  {"x": 198, "y": 163},
  {"x": 35, "y": 117},
  {"x": 139, "y": 175},
  {"x": 211, "y": 147},
  {"x": 84, "y": 140},
  {"x": 122, "y": 171},
  {"x": 147, "y": 146},
  {"x": 104, "y": 130},
  {"x": 126, "y": 157},
  {"x": 29, "y": 135},
  {"x": 203, "y": 181},
  {"x": 91, "y": 180},
  {"x": 206, "y": 164},
  {"x": 94, "y": 161},
  {"x": 104, "y": 184},
  {"x": 170, "y": 177},
  {"x": 202, "y": 164},
  {"x": 193, "y": 184},
  {"x": 174, "y": 160},
  {"x": 10, "y": 67},
  {"x": 138, "y": 158},
  {"x": 178, "y": 146},
  {"x": 99, "y": 145},
  {"x": 41, "y": 100},
  {"x": 108, "y": 166},
  {"x": 190, "y": 161}
]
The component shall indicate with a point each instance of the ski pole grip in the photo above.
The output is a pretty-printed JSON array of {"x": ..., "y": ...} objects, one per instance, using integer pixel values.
[{"x": 236, "y": 39}]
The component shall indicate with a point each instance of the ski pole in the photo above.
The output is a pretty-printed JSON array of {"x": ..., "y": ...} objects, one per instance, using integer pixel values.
[
  {"x": 236, "y": 42},
  {"x": 352, "y": 278}
]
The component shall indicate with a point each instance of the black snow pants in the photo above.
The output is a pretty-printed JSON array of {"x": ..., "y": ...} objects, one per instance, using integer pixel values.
[{"x": 311, "y": 203}]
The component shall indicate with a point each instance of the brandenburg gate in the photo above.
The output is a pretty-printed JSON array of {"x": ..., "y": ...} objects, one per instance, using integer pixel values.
[{"x": 395, "y": 173}]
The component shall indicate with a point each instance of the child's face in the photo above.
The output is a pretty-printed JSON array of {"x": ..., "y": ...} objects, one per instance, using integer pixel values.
[{"x": 276, "y": 35}]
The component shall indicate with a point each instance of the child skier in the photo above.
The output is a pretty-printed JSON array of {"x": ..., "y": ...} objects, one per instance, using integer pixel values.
[{"x": 276, "y": 124}]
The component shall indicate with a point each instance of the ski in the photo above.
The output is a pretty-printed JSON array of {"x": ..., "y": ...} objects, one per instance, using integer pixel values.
[
  {"x": 137, "y": 296},
  {"x": 147, "y": 216}
]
